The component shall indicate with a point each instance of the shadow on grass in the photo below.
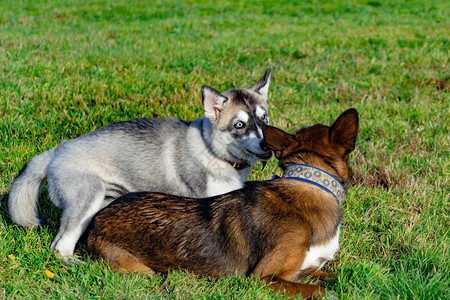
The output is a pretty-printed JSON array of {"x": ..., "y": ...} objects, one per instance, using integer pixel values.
[
  {"x": 47, "y": 212},
  {"x": 4, "y": 215}
]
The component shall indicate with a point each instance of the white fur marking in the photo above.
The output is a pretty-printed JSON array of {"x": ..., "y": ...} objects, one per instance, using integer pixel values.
[
  {"x": 218, "y": 187},
  {"x": 316, "y": 253},
  {"x": 260, "y": 132},
  {"x": 242, "y": 116},
  {"x": 260, "y": 111}
]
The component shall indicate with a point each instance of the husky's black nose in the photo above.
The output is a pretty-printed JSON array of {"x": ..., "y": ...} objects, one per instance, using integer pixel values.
[{"x": 264, "y": 146}]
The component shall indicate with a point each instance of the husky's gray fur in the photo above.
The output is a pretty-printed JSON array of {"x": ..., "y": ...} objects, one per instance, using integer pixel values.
[{"x": 193, "y": 159}]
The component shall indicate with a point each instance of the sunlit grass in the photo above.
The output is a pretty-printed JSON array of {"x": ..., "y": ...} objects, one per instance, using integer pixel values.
[{"x": 69, "y": 67}]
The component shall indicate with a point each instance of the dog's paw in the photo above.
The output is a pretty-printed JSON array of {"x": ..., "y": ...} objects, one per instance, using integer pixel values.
[{"x": 70, "y": 259}]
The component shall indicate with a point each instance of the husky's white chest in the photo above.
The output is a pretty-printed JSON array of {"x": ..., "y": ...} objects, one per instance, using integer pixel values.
[
  {"x": 218, "y": 186},
  {"x": 317, "y": 256},
  {"x": 223, "y": 178}
]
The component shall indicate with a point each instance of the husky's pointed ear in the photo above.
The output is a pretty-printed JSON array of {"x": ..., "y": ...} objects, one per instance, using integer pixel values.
[
  {"x": 262, "y": 86},
  {"x": 345, "y": 130},
  {"x": 278, "y": 141},
  {"x": 213, "y": 102}
]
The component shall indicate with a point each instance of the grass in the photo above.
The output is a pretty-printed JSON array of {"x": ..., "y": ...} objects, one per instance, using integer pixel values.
[{"x": 69, "y": 67}]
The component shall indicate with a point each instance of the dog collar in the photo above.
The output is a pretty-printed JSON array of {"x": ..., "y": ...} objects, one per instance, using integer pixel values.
[{"x": 317, "y": 177}]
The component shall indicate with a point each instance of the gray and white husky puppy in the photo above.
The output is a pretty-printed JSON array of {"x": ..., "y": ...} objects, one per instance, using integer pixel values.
[{"x": 206, "y": 157}]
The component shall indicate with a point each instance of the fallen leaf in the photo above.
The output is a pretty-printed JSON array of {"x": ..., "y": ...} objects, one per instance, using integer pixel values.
[{"x": 49, "y": 274}]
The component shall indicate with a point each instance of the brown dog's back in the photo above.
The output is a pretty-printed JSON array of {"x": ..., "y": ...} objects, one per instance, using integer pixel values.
[{"x": 216, "y": 236}]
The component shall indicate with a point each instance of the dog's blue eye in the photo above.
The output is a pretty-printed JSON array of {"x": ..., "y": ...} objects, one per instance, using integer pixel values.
[
  {"x": 238, "y": 125},
  {"x": 265, "y": 118}
]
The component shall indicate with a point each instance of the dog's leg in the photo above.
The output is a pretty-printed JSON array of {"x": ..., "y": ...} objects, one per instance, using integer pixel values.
[
  {"x": 281, "y": 265},
  {"x": 323, "y": 276},
  {"x": 80, "y": 200},
  {"x": 121, "y": 260},
  {"x": 293, "y": 288}
]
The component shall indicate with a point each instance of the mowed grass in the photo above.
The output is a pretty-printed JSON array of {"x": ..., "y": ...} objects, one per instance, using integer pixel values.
[{"x": 70, "y": 67}]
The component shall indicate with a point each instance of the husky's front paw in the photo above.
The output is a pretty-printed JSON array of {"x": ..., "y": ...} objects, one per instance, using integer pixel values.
[
  {"x": 69, "y": 259},
  {"x": 72, "y": 260}
]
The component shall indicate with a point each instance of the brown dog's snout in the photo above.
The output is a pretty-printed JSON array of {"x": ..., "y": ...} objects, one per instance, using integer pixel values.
[{"x": 264, "y": 146}]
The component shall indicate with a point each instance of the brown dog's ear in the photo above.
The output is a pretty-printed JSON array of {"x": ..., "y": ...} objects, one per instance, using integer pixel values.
[
  {"x": 278, "y": 140},
  {"x": 345, "y": 130}
]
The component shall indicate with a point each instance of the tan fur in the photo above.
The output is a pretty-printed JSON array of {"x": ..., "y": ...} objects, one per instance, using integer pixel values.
[
  {"x": 229, "y": 114},
  {"x": 266, "y": 229},
  {"x": 122, "y": 261},
  {"x": 286, "y": 257}
]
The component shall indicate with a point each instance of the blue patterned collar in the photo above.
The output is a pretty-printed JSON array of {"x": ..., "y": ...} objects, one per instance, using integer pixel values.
[{"x": 317, "y": 177}]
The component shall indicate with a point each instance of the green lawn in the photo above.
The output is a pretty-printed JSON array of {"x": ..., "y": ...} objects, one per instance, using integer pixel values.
[{"x": 69, "y": 67}]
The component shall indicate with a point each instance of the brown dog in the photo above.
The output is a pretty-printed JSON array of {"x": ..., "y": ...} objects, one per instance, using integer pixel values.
[{"x": 281, "y": 230}]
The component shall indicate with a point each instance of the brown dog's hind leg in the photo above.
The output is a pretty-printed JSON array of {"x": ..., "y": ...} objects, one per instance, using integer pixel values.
[
  {"x": 121, "y": 260},
  {"x": 280, "y": 267},
  {"x": 324, "y": 276},
  {"x": 293, "y": 288}
]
